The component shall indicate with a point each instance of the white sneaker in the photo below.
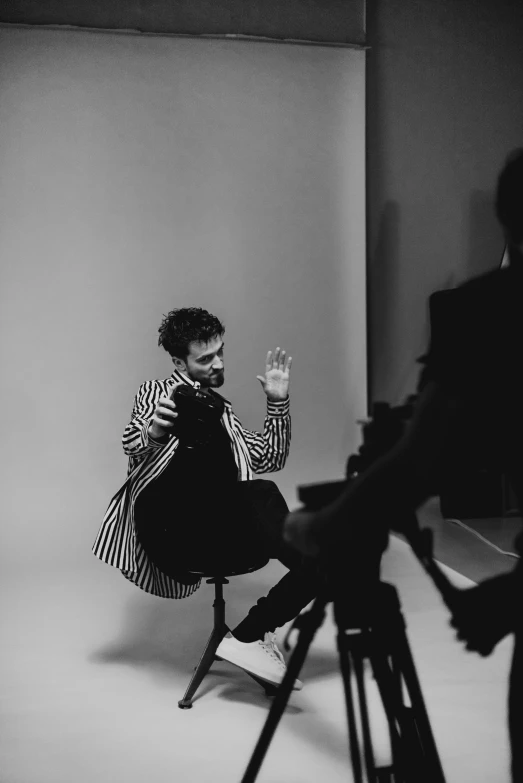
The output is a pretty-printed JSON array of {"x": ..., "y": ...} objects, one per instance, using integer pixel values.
[{"x": 261, "y": 658}]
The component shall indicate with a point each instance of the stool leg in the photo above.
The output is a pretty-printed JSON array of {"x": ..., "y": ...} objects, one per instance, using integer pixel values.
[{"x": 209, "y": 653}]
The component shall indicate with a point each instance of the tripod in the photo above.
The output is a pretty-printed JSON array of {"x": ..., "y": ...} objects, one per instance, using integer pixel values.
[{"x": 375, "y": 631}]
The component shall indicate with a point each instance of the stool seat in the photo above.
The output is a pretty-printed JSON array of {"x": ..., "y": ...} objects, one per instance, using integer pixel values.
[
  {"x": 226, "y": 570},
  {"x": 218, "y": 575}
]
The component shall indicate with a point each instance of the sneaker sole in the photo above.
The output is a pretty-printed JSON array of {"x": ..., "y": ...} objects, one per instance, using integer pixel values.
[{"x": 256, "y": 674}]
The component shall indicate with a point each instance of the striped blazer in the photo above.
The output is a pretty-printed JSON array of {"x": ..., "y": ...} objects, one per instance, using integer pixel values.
[{"x": 116, "y": 542}]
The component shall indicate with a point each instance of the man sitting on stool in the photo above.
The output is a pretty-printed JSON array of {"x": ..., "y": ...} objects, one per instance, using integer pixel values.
[{"x": 194, "y": 504}]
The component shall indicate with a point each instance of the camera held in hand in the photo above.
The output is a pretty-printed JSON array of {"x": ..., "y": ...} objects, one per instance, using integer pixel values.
[{"x": 198, "y": 415}]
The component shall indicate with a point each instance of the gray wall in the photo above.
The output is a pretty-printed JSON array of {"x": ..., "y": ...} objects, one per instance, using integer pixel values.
[
  {"x": 144, "y": 173},
  {"x": 445, "y": 106}
]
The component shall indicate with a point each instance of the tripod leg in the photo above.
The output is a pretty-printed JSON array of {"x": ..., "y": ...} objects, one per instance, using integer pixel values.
[
  {"x": 389, "y": 686},
  {"x": 311, "y": 622},
  {"x": 358, "y": 657},
  {"x": 434, "y": 770},
  {"x": 413, "y": 747},
  {"x": 345, "y": 668}
]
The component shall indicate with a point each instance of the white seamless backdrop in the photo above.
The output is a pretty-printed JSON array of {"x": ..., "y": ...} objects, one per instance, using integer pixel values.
[{"x": 143, "y": 173}]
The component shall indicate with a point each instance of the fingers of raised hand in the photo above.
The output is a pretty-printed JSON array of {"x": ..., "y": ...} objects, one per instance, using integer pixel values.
[
  {"x": 274, "y": 361},
  {"x": 277, "y": 361}
]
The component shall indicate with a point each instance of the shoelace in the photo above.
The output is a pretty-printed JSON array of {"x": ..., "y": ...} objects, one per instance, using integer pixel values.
[{"x": 269, "y": 645}]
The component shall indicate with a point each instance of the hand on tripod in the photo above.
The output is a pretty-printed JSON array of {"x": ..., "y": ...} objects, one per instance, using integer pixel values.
[
  {"x": 301, "y": 531},
  {"x": 483, "y": 615}
]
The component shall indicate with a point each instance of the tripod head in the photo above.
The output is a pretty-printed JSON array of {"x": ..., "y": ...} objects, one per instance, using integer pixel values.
[{"x": 316, "y": 496}]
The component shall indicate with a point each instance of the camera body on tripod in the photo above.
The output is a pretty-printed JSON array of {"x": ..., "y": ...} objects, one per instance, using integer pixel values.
[{"x": 380, "y": 433}]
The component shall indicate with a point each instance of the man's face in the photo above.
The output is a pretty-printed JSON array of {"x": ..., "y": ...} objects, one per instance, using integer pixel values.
[{"x": 204, "y": 363}]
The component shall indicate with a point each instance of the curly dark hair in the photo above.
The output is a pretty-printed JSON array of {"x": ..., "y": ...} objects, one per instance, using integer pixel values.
[
  {"x": 186, "y": 325},
  {"x": 509, "y": 196}
]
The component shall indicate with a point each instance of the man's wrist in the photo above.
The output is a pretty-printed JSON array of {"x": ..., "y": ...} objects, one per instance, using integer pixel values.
[
  {"x": 278, "y": 408},
  {"x": 157, "y": 435},
  {"x": 277, "y": 399}
]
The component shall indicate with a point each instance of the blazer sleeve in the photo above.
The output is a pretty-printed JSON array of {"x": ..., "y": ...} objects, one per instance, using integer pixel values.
[
  {"x": 136, "y": 440},
  {"x": 269, "y": 450}
]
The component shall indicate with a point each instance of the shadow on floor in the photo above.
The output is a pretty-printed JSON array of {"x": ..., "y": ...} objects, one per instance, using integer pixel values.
[{"x": 167, "y": 637}]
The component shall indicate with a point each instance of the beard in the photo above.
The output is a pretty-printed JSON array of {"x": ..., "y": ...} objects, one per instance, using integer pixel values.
[{"x": 215, "y": 381}]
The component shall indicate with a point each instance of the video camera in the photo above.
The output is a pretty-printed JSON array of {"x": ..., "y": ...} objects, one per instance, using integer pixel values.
[{"x": 380, "y": 433}]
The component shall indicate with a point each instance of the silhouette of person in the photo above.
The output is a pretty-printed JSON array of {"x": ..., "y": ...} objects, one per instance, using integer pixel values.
[{"x": 470, "y": 401}]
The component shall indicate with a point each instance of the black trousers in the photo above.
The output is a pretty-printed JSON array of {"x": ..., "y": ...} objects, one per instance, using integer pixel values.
[
  {"x": 297, "y": 587},
  {"x": 232, "y": 526}
]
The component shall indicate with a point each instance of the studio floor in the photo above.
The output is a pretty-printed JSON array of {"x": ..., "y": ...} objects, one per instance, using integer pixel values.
[{"x": 91, "y": 670}]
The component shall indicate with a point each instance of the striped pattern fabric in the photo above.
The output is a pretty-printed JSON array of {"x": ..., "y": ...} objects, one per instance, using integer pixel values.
[{"x": 116, "y": 542}]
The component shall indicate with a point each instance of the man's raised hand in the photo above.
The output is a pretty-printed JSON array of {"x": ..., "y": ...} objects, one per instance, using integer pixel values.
[{"x": 275, "y": 382}]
